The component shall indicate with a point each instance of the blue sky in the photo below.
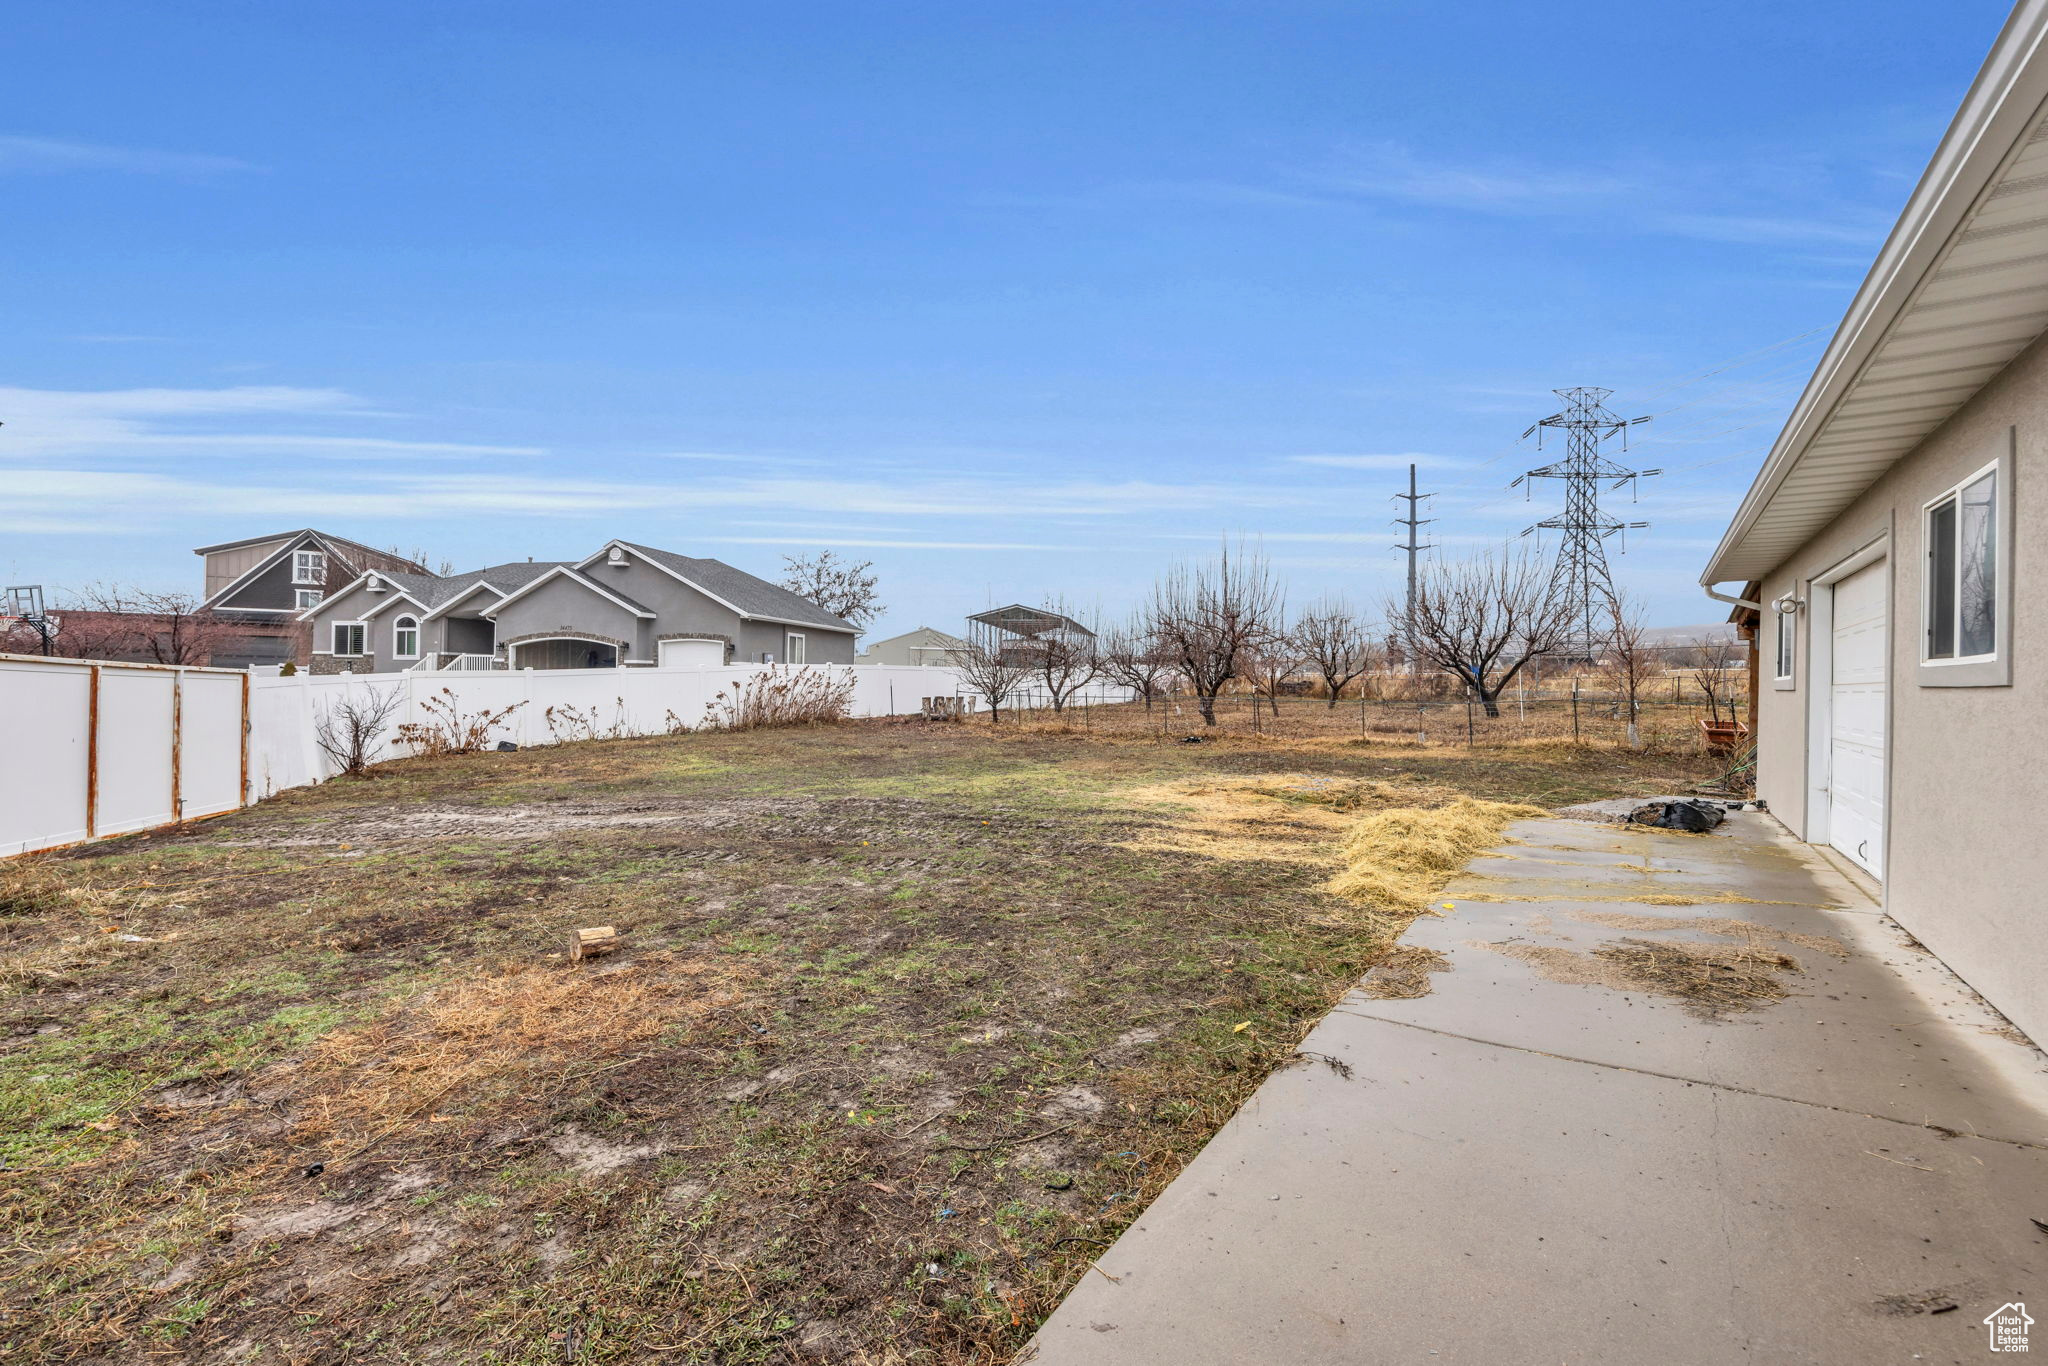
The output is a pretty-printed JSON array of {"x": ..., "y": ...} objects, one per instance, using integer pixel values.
[{"x": 1018, "y": 300}]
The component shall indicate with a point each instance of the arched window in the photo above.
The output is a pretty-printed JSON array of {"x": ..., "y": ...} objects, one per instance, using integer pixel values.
[{"x": 405, "y": 638}]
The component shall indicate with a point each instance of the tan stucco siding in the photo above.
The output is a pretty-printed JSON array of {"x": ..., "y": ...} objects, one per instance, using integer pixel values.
[{"x": 1965, "y": 870}]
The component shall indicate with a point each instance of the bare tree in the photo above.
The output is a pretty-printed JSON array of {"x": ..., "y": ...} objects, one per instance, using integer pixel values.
[
  {"x": 416, "y": 556},
  {"x": 1336, "y": 643},
  {"x": 1714, "y": 670},
  {"x": 1209, "y": 618},
  {"x": 843, "y": 588},
  {"x": 1066, "y": 658},
  {"x": 1628, "y": 661},
  {"x": 1130, "y": 658},
  {"x": 1482, "y": 620},
  {"x": 1268, "y": 665},
  {"x": 990, "y": 667},
  {"x": 348, "y": 729},
  {"x": 107, "y": 621}
]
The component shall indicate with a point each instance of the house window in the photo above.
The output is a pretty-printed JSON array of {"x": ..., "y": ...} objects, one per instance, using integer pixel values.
[
  {"x": 1962, "y": 571},
  {"x": 348, "y": 637},
  {"x": 405, "y": 638},
  {"x": 1786, "y": 643},
  {"x": 308, "y": 597},
  {"x": 793, "y": 648},
  {"x": 309, "y": 566}
]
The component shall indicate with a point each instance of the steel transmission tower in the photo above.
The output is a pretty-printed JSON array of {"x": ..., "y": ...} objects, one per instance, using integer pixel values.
[
  {"x": 1581, "y": 575},
  {"x": 1413, "y": 545}
]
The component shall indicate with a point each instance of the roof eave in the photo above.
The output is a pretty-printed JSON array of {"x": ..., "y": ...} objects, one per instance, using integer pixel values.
[{"x": 2002, "y": 103}]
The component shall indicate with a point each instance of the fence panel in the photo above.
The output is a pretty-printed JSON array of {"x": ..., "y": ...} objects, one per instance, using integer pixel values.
[
  {"x": 98, "y": 748},
  {"x": 43, "y": 778},
  {"x": 210, "y": 743},
  {"x": 134, "y": 749}
]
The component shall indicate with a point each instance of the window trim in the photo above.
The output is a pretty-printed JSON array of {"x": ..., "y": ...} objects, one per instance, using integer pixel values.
[
  {"x": 794, "y": 647},
  {"x": 301, "y": 594},
  {"x": 398, "y": 624},
  {"x": 1785, "y": 650},
  {"x": 316, "y": 566},
  {"x": 363, "y": 627},
  {"x": 1993, "y": 670}
]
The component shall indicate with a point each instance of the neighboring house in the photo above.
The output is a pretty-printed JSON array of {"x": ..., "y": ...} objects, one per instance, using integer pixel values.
[
  {"x": 625, "y": 606},
  {"x": 258, "y": 587},
  {"x": 1893, "y": 553},
  {"x": 1021, "y": 634},
  {"x": 924, "y": 646}
]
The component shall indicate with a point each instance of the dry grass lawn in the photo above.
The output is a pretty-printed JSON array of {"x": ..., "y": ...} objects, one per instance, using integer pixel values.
[{"x": 909, "y": 1022}]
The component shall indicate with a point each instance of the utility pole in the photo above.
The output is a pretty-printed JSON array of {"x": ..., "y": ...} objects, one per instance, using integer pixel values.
[
  {"x": 1413, "y": 546},
  {"x": 1581, "y": 575}
]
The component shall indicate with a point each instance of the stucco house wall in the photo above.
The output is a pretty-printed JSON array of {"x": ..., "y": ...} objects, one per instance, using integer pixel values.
[
  {"x": 356, "y": 604},
  {"x": 680, "y": 608},
  {"x": 561, "y": 606},
  {"x": 1965, "y": 869}
]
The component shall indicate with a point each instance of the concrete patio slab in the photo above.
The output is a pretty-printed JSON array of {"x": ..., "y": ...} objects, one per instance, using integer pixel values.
[{"x": 1519, "y": 1169}]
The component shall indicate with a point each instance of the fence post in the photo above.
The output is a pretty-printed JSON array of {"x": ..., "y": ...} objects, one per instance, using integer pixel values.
[
  {"x": 1468, "y": 721},
  {"x": 1575, "y": 709},
  {"x": 92, "y": 754},
  {"x": 526, "y": 707},
  {"x": 177, "y": 745}
]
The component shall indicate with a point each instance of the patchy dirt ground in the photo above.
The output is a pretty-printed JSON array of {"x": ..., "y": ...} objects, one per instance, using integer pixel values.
[{"x": 908, "y": 1023}]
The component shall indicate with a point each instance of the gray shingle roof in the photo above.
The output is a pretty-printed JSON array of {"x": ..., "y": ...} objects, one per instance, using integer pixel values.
[
  {"x": 753, "y": 597},
  {"x": 433, "y": 590}
]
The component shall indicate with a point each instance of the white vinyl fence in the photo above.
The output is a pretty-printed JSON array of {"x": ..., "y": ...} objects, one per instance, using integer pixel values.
[
  {"x": 93, "y": 749},
  {"x": 96, "y": 749}
]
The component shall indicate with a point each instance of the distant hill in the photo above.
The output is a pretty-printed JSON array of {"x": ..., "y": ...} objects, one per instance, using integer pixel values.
[{"x": 1686, "y": 635}]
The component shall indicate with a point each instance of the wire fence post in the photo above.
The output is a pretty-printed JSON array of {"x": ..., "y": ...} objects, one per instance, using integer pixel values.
[
  {"x": 1575, "y": 709},
  {"x": 1468, "y": 721}
]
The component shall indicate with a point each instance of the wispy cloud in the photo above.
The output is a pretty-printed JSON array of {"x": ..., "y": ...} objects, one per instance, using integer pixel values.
[
  {"x": 1377, "y": 462},
  {"x": 131, "y": 423},
  {"x": 21, "y": 154},
  {"x": 886, "y": 545},
  {"x": 1392, "y": 171}
]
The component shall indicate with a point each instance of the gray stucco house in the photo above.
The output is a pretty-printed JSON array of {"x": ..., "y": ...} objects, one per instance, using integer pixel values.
[
  {"x": 261, "y": 586},
  {"x": 626, "y": 606},
  {"x": 1890, "y": 556}
]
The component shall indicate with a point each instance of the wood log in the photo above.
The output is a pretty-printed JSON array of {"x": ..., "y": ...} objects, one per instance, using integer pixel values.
[{"x": 592, "y": 943}]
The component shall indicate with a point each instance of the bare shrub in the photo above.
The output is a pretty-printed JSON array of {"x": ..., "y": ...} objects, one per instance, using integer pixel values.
[
  {"x": 347, "y": 730},
  {"x": 567, "y": 723},
  {"x": 447, "y": 729},
  {"x": 782, "y": 695}
]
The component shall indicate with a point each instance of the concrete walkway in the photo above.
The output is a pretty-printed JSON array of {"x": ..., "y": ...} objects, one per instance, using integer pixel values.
[{"x": 1541, "y": 1161}]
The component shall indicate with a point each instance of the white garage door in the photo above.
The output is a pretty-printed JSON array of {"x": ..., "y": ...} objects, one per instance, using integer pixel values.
[
  {"x": 690, "y": 654},
  {"x": 1856, "y": 719}
]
